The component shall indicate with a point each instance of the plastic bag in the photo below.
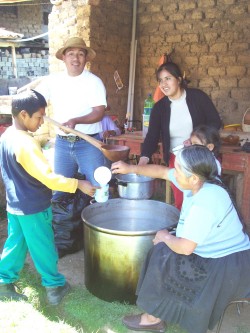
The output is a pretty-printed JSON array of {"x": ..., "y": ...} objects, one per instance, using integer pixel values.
[{"x": 67, "y": 223}]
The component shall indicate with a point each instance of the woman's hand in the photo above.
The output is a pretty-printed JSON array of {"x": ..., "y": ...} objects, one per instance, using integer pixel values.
[
  {"x": 176, "y": 244},
  {"x": 121, "y": 167},
  {"x": 161, "y": 236},
  {"x": 86, "y": 187}
]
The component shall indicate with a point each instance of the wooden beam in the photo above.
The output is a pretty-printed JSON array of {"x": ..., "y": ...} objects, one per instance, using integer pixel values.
[{"x": 12, "y": 1}]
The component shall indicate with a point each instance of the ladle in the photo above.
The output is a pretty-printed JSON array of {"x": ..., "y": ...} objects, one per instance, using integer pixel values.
[{"x": 113, "y": 152}]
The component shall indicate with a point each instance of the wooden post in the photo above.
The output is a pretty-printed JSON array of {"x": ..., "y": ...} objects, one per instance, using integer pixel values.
[
  {"x": 14, "y": 65},
  {"x": 168, "y": 193}
]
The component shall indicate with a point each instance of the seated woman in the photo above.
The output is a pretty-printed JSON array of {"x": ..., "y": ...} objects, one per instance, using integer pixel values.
[{"x": 189, "y": 278}]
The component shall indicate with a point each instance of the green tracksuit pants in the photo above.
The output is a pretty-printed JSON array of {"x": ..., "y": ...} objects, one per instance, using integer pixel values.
[{"x": 31, "y": 233}]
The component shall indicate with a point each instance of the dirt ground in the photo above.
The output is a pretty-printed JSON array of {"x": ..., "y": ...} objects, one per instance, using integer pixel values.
[{"x": 72, "y": 266}]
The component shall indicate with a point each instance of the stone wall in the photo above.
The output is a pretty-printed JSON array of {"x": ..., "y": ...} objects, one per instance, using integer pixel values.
[{"x": 210, "y": 39}]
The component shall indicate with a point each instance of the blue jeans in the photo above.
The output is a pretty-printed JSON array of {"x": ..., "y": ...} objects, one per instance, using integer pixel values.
[{"x": 73, "y": 157}]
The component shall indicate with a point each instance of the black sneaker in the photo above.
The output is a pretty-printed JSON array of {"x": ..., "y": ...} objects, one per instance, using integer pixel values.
[
  {"x": 55, "y": 294},
  {"x": 8, "y": 292}
]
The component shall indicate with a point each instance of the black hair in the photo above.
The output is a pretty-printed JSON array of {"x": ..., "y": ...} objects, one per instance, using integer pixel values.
[
  {"x": 30, "y": 101},
  {"x": 174, "y": 70},
  {"x": 208, "y": 134},
  {"x": 199, "y": 160}
]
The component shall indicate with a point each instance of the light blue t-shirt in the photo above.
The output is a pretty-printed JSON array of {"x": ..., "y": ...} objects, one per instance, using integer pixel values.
[{"x": 209, "y": 219}]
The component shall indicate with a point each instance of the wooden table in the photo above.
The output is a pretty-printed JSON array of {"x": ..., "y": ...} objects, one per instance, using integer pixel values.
[
  {"x": 233, "y": 160},
  {"x": 239, "y": 162},
  {"x": 134, "y": 140}
]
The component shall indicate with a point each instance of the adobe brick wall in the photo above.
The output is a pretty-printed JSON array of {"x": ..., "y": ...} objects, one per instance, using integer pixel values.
[
  {"x": 211, "y": 42},
  {"x": 210, "y": 39},
  {"x": 106, "y": 27},
  {"x": 23, "y": 18},
  {"x": 18, "y": 18},
  {"x": 27, "y": 65}
]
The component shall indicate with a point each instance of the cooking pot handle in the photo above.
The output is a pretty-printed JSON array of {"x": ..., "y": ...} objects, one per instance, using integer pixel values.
[{"x": 120, "y": 182}]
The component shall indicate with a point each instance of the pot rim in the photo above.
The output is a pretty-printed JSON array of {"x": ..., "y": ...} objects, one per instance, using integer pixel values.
[
  {"x": 126, "y": 178},
  {"x": 99, "y": 207},
  {"x": 127, "y": 233}
]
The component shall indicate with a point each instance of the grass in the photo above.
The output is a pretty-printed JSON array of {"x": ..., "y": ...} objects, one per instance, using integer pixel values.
[{"x": 79, "y": 312}]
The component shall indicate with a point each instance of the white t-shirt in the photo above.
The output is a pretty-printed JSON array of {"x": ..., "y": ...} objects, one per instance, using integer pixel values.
[
  {"x": 109, "y": 125},
  {"x": 74, "y": 96},
  {"x": 209, "y": 219},
  {"x": 181, "y": 125}
]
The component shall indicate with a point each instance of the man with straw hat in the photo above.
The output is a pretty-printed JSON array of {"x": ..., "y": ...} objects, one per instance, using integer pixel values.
[{"x": 78, "y": 99}]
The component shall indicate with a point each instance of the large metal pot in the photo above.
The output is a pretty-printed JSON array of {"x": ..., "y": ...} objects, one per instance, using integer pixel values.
[
  {"x": 117, "y": 237},
  {"x": 137, "y": 187}
]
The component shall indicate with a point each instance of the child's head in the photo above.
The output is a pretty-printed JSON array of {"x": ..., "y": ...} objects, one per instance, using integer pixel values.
[
  {"x": 206, "y": 136},
  {"x": 30, "y": 101},
  {"x": 28, "y": 109}
]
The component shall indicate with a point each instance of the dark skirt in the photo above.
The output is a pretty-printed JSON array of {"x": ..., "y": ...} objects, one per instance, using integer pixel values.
[{"x": 190, "y": 290}]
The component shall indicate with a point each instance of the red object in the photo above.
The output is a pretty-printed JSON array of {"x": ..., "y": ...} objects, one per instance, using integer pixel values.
[
  {"x": 158, "y": 93},
  {"x": 240, "y": 162},
  {"x": 114, "y": 117},
  {"x": 3, "y": 127},
  {"x": 178, "y": 195}
]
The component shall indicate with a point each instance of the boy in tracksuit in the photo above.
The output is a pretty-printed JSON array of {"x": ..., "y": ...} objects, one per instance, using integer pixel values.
[{"x": 29, "y": 181}]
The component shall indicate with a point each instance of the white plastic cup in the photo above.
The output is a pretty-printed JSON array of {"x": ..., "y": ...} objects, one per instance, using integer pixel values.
[
  {"x": 102, "y": 194},
  {"x": 102, "y": 175}
]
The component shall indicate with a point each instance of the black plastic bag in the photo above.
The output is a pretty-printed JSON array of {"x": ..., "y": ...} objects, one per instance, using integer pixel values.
[{"x": 67, "y": 223}]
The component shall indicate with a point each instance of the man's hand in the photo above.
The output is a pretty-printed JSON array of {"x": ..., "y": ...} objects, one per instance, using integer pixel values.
[
  {"x": 71, "y": 123},
  {"x": 86, "y": 187}
]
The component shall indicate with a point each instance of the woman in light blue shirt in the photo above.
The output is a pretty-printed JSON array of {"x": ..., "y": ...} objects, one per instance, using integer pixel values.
[{"x": 189, "y": 278}]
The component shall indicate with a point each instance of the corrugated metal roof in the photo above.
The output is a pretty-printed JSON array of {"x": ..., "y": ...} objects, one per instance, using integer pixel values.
[{"x": 6, "y": 34}]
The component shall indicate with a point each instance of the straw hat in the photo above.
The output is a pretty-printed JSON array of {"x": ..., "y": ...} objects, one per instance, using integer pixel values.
[{"x": 75, "y": 42}]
